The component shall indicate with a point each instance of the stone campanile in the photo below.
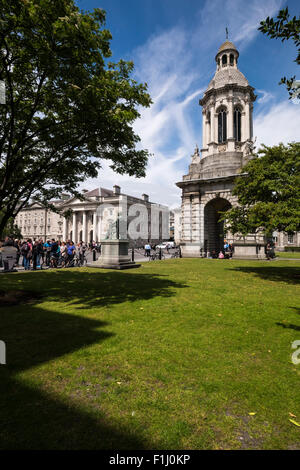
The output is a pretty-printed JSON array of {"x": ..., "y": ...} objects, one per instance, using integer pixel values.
[{"x": 227, "y": 145}]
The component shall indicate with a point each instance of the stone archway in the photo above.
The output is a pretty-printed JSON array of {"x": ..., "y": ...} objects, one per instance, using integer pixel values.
[{"x": 213, "y": 229}]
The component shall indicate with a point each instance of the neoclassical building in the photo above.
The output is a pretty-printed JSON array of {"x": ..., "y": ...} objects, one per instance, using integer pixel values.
[
  {"x": 227, "y": 144},
  {"x": 90, "y": 219}
]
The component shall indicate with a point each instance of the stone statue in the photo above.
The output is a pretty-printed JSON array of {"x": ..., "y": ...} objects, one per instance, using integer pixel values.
[
  {"x": 113, "y": 229},
  {"x": 196, "y": 155},
  {"x": 249, "y": 146}
]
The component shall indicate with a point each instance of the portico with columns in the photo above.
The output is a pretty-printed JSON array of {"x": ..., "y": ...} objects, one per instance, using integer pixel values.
[
  {"x": 227, "y": 145},
  {"x": 83, "y": 225},
  {"x": 89, "y": 219}
]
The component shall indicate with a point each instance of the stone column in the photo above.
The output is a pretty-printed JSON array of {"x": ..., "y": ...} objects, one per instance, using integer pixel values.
[
  {"x": 94, "y": 225},
  {"x": 99, "y": 227},
  {"x": 251, "y": 120},
  {"x": 247, "y": 121},
  {"x": 201, "y": 218},
  {"x": 65, "y": 229},
  {"x": 216, "y": 127},
  {"x": 186, "y": 220},
  {"x": 203, "y": 129},
  {"x": 212, "y": 123},
  {"x": 74, "y": 228},
  {"x": 84, "y": 226},
  {"x": 195, "y": 219},
  {"x": 230, "y": 119}
]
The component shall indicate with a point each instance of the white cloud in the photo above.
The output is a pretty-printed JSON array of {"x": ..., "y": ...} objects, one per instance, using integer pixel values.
[
  {"x": 177, "y": 66},
  {"x": 266, "y": 96},
  {"x": 281, "y": 123}
]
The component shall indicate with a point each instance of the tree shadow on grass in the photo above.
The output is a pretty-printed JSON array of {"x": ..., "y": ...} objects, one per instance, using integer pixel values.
[
  {"x": 32, "y": 418},
  {"x": 287, "y": 274},
  {"x": 92, "y": 289},
  {"x": 290, "y": 326}
]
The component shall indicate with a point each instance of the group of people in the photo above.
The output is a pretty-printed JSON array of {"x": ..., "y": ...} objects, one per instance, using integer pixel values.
[
  {"x": 226, "y": 253},
  {"x": 36, "y": 253}
]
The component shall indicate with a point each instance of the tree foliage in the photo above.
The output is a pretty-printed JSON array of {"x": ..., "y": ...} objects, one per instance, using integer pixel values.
[
  {"x": 285, "y": 28},
  {"x": 66, "y": 106},
  {"x": 268, "y": 193},
  {"x": 11, "y": 229}
]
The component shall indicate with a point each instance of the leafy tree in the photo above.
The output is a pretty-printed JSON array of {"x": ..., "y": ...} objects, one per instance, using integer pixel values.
[
  {"x": 285, "y": 29},
  {"x": 66, "y": 106},
  {"x": 11, "y": 230},
  {"x": 268, "y": 192}
]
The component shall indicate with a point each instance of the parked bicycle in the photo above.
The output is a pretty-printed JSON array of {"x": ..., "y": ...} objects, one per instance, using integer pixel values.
[{"x": 156, "y": 255}]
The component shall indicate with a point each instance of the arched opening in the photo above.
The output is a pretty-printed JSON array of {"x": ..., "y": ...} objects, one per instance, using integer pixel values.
[
  {"x": 237, "y": 125},
  {"x": 80, "y": 236},
  {"x": 214, "y": 234},
  {"x": 222, "y": 125},
  {"x": 231, "y": 59},
  {"x": 224, "y": 59}
]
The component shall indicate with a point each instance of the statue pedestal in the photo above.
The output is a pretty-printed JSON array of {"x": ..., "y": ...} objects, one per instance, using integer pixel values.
[{"x": 114, "y": 255}]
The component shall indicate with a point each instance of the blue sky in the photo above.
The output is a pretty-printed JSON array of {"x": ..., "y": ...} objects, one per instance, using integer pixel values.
[{"x": 173, "y": 44}]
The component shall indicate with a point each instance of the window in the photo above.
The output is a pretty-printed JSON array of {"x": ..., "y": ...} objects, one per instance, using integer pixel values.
[
  {"x": 231, "y": 59},
  {"x": 290, "y": 238},
  {"x": 237, "y": 125},
  {"x": 222, "y": 124},
  {"x": 224, "y": 59}
]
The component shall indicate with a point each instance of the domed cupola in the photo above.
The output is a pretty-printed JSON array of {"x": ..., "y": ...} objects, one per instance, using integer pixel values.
[
  {"x": 227, "y": 55},
  {"x": 227, "y": 106}
]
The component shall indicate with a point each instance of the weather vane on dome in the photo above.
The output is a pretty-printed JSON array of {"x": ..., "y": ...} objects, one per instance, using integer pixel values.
[{"x": 226, "y": 33}]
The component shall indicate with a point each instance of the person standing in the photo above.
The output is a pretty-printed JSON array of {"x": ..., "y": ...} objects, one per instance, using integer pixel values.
[
  {"x": 147, "y": 249},
  {"x": 70, "y": 251},
  {"x": 47, "y": 248}
]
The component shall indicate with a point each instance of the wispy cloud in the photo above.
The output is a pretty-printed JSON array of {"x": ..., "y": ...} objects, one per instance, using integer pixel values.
[
  {"x": 177, "y": 66},
  {"x": 265, "y": 97}
]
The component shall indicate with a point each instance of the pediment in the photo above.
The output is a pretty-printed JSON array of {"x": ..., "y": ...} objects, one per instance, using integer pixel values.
[{"x": 77, "y": 202}]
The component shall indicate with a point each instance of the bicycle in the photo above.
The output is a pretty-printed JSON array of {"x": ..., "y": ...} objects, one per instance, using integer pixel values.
[
  {"x": 80, "y": 261},
  {"x": 53, "y": 261},
  {"x": 154, "y": 256}
]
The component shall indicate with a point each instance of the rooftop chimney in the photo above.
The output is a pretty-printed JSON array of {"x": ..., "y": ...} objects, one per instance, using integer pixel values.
[
  {"x": 117, "y": 189},
  {"x": 145, "y": 197}
]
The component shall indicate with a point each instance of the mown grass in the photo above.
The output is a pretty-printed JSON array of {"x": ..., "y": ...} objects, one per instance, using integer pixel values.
[
  {"x": 175, "y": 354},
  {"x": 288, "y": 254}
]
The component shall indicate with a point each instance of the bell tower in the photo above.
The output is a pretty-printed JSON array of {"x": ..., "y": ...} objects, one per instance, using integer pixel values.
[
  {"x": 227, "y": 145},
  {"x": 227, "y": 107}
]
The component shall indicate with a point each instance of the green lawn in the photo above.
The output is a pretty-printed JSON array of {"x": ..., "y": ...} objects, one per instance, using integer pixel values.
[
  {"x": 183, "y": 353},
  {"x": 288, "y": 254}
]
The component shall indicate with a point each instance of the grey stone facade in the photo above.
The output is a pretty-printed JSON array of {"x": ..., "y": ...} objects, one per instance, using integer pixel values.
[{"x": 227, "y": 145}]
